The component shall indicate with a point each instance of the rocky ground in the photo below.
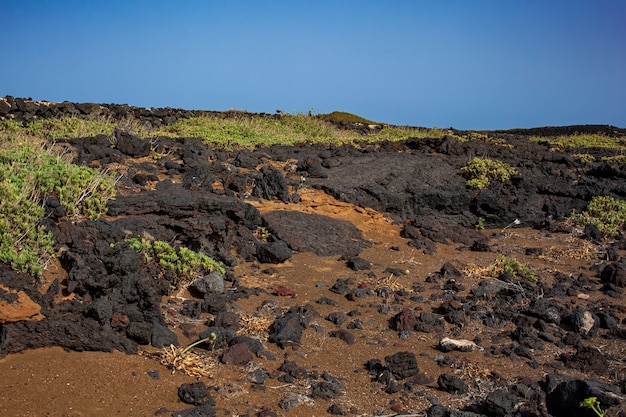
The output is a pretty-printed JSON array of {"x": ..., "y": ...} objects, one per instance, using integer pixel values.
[{"x": 356, "y": 283}]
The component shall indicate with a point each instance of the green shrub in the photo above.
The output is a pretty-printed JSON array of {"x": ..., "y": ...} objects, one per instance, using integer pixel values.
[
  {"x": 607, "y": 213},
  {"x": 27, "y": 174},
  {"x": 480, "y": 172},
  {"x": 185, "y": 262},
  {"x": 514, "y": 267}
]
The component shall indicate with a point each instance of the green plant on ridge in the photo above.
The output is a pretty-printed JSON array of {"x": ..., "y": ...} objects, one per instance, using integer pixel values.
[
  {"x": 585, "y": 158},
  {"x": 581, "y": 141},
  {"x": 617, "y": 159},
  {"x": 594, "y": 404},
  {"x": 481, "y": 171}
]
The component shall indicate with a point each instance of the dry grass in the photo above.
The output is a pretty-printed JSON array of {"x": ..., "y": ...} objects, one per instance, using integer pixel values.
[
  {"x": 254, "y": 325},
  {"x": 191, "y": 363},
  {"x": 583, "y": 250}
]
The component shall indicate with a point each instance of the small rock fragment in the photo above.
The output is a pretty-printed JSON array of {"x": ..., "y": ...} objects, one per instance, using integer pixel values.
[
  {"x": 344, "y": 335},
  {"x": 283, "y": 291},
  {"x": 585, "y": 323},
  {"x": 211, "y": 283},
  {"x": 446, "y": 344},
  {"x": 238, "y": 354}
]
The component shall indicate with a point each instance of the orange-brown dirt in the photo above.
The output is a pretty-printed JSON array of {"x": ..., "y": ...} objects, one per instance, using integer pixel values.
[{"x": 54, "y": 382}]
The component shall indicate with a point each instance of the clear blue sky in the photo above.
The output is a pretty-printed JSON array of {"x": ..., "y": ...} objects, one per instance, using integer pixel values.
[{"x": 469, "y": 64}]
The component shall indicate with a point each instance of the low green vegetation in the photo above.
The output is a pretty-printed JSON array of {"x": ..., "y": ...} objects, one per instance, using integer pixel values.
[
  {"x": 70, "y": 127},
  {"x": 617, "y": 159},
  {"x": 607, "y": 213},
  {"x": 256, "y": 130},
  {"x": 479, "y": 137},
  {"x": 29, "y": 174},
  {"x": 585, "y": 158},
  {"x": 240, "y": 129},
  {"x": 594, "y": 404},
  {"x": 184, "y": 262},
  {"x": 481, "y": 171},
  {"x": 514, "y": 267},
  {"x": 578, "y": 141}
]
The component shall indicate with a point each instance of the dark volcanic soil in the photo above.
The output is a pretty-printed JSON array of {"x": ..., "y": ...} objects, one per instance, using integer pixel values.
[{"x": 356, "y": 283}]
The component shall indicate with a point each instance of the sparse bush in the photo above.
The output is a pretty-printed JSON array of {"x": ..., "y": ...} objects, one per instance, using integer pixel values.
[
  {"x": 480, "y": 172},
  {"x": 28, "y": 175},
  {"x": 607, "y": 213},
  {"x": 185, "y": 262},
  {"x": 514, "y": 267}
]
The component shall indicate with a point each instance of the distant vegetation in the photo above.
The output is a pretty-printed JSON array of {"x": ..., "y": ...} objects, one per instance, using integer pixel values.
[
  {"x": 578, "y": 141},
  {"x": 288, "y": 129},
  {"x": 31, "y": 171}
]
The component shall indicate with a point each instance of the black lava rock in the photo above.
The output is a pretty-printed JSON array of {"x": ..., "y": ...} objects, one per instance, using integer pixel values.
[
  {"x": 359, "y": 264},
  {"x": 199, "y": 411},
  {"x": 452, "y": 384},
  {"x": 195, "y": 393},
  {"x": 402, "y": 365},
  {"x": 273, "y": 252},
  {"x": 500, "y": 403}
]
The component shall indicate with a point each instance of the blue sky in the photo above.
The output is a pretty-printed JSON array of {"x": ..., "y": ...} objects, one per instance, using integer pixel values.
[{"x": 468, "y": 64}]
